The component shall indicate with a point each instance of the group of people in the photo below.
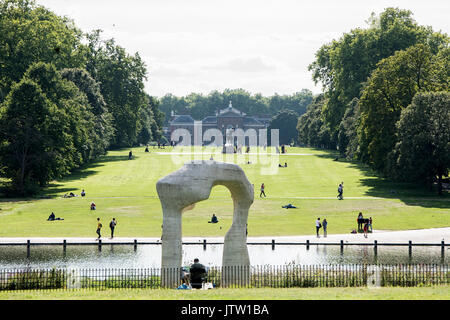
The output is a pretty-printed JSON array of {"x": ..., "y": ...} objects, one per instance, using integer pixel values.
[
  {"x": 281, "y": 166},
  {"x": 112, "y": 226},
  {"x": 364, "y": 224},
  {"x": 320, "y": 225},
  {"x": 194, "y": 277}
]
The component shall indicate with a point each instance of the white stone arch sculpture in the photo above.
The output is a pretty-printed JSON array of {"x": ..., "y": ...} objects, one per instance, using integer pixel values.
[{"x": 179, "y": 191}]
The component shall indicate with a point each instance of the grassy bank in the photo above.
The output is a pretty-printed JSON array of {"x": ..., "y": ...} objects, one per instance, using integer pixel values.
[
  {"x": 125, "y": 189},
  {"x": 385, "y": 293}
]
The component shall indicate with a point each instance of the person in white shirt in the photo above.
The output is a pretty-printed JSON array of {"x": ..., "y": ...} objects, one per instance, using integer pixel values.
[{"x": 318, "y": 226}]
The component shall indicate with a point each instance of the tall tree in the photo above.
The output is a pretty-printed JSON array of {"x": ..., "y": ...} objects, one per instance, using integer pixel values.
[
  {"x": 31, "y": 33},
  {"x": 344, "y": 65},
  {"x": 122, "y": 85},
  {"x": 391, "y": 88},
  {"x": 422, "y": 152},
  {"x": 33, "y": 147},
  {"x": 102, "y": 132},
  {"x": 286, "y": 122}
]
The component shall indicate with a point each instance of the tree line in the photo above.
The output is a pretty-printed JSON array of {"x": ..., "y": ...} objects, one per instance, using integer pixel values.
[
  {"x": 385, "y": 99},
  {"x": 66, "y": 97},
  {"x": 200, "y": 106}
]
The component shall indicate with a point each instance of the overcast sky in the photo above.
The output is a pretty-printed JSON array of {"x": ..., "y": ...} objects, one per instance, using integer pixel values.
[{"x": 258, "y": 45}]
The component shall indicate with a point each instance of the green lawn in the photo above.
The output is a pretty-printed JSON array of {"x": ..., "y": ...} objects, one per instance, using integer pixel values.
[
  {"x": 384, "y": 293},
  {"x": 126, "y": 189}
]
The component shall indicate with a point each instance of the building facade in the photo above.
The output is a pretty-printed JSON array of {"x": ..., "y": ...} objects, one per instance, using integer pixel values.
[{"x": 227, "y": 118}]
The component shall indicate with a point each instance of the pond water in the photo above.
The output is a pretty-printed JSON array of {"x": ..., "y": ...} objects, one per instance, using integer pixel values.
[{"x": 149, "y": 256}]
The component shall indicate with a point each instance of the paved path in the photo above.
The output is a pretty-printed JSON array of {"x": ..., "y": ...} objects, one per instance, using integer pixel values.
[{"x": 435, "y": 235}]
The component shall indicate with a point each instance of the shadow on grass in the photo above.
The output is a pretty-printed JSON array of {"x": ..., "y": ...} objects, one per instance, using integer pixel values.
[
  {"x": 55, "y": 188},
  {"x": 411, "y": 194}
]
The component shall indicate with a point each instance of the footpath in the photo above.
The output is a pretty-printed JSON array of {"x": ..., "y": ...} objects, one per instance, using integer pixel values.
[{"x": 434, "y": 235}]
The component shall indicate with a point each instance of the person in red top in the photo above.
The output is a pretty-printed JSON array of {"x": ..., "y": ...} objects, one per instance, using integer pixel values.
[
  {"x": 366, "y": 227},
  {"x": 262, "y": 191}
]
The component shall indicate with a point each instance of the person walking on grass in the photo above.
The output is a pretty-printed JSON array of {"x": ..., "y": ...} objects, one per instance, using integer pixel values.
[
  {"x": 99, "y": 227},
  {"x": 318, "y": 226},
  {"x": 112, "y": 225},
  {"x": 262, "y": 191},
  {"x": 324, "y": 224},
  {"x": 340, "y": 191}
]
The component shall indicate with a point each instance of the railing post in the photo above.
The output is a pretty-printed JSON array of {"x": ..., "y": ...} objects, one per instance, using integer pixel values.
[
  {"x": 273, "y": 244},
  {"x": 135, "y": 244},
  {"x": 410, "y": 249},
  {"x": 375, "y": 251},
  {"x": 64, "y": 246},
  {"x": 307, "y": 244},
  {"x": 204, "y": 244},
  {"x": 342, "y": 246},
  {"x": 28, "y": 248},
  {"x": 442, "y": 251}
]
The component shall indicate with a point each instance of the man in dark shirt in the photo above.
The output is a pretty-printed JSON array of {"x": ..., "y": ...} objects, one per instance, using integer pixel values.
[{"x": 197, "y": 273}]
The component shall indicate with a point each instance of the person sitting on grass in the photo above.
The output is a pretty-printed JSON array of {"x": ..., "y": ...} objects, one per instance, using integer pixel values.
[
  {"x": 83, "y": 193},
  {"x": 213, "y": 219},
  {"x": 197, "y": 274},
  {"x": 185, "y": 276},
  {"x": 51, "y": 217},
  {"x": 93, "y": 206}
]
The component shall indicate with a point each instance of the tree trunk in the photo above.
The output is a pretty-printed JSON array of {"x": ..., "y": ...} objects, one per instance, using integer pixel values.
[{"x": 440, "y": 184}]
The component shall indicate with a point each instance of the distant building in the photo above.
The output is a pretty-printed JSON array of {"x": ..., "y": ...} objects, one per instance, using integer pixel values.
[{"x": 227, "y": 118}]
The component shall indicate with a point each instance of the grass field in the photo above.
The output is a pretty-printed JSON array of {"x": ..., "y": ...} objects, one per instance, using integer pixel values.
[
  {"x": 384, "y": 293},
  {"x": 126, "y": 189}
]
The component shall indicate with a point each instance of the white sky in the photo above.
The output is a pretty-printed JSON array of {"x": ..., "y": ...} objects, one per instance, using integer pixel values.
[{"x": 261, "y": 46}]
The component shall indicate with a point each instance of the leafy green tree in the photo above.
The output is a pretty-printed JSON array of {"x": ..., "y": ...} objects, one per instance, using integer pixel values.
[
  {"x": 348, "y": 130},
  {"x": 80, "y": 122},
  {"x": 390, "y": 89},
  {"x": 122, "y": 85},
  {"x": 286, "y": 122},
  {"x": 103, "y": 131},
  {"x": 30, "y": 33},
  {"x": 200, "y": 106},
  {"x": 313, "y": 131},
  {"x": 422, "y": 152},
  {"x": 344, "y": 65},
  {"x": 31, "y": 138}
]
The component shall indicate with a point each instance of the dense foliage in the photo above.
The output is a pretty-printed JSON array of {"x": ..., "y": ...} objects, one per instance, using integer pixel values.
[
  {"x": 200, "y": 106},
  {"x": 369, "y": 77},
  {"x": 423, "y": 148},
  {"x": 65, "y": 97}
]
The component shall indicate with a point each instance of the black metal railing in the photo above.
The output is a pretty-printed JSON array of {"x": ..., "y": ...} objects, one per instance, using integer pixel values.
[{"x": 265, "y": 276}]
